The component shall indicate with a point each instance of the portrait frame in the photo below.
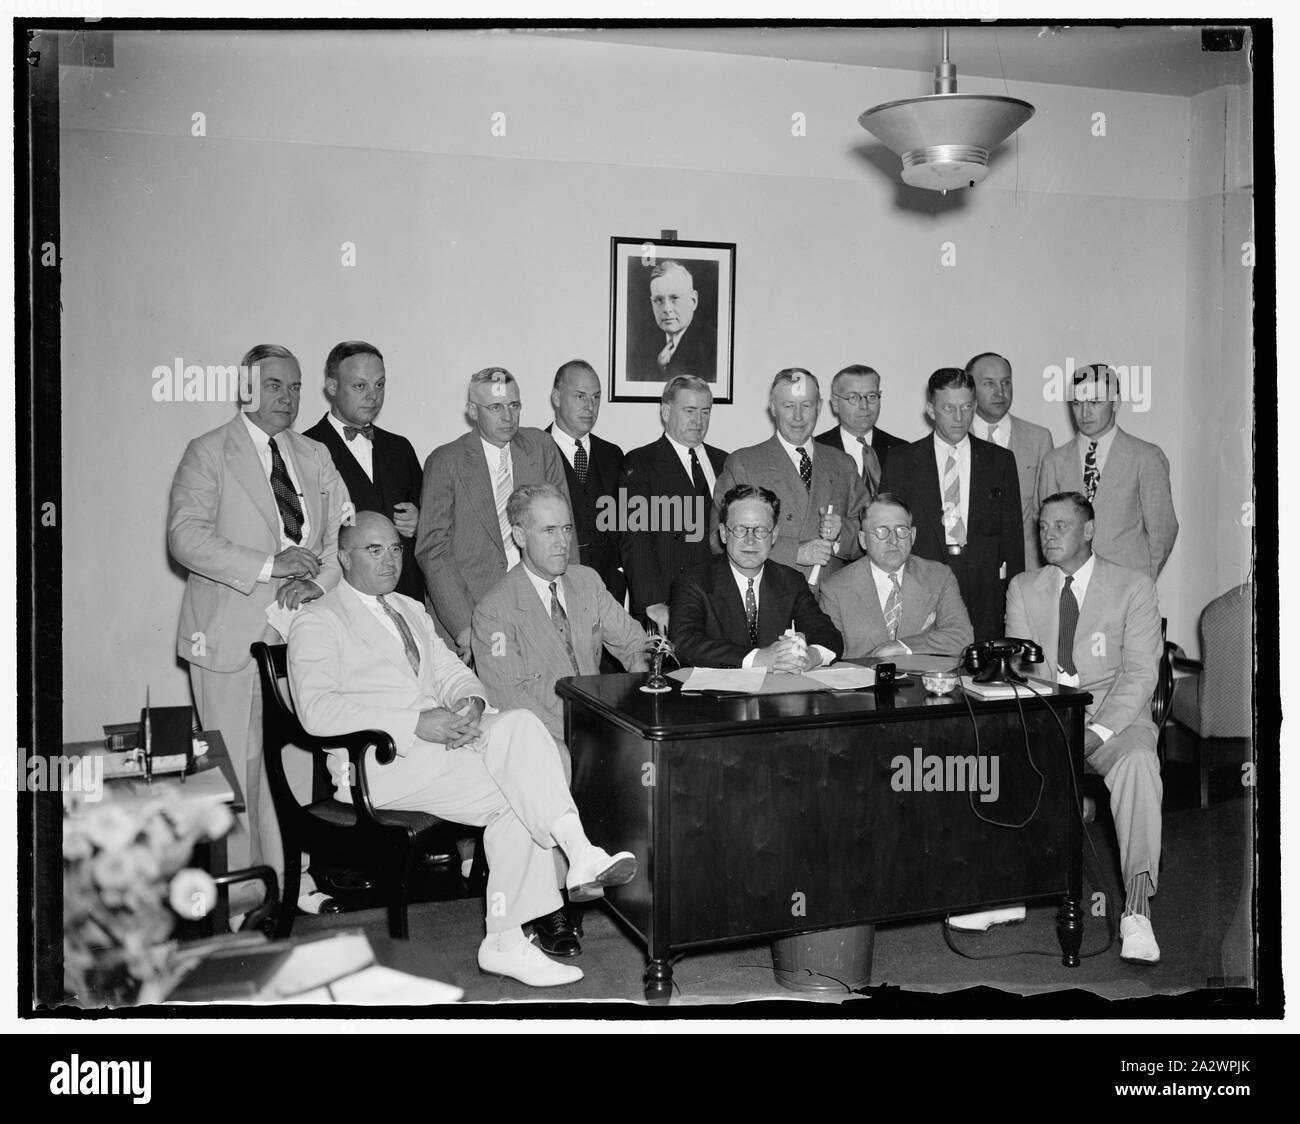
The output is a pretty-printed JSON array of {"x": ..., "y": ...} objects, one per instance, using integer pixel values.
[{"x": 704, "y": 347}]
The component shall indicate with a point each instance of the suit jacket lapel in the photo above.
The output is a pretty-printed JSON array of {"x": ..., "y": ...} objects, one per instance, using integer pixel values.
[
  {"x": 481, "y": 487},
  {"x": 727, "y": 602},
  {"x": 772, "y": 608},
  {"x": 931, "y": 486},
  {"x": 309, "y": 480},
  {"x": 793, "y": 482},
  {"x": 914, "y": 601},
  {"x": 366, "y": 628},
  {"x": 580, "y": 624},
  {"x": 1049, "y": 617},
  {"x": 539, "y": 615},
  {"x": 1090, "y": 613},
  {"x": 246, "y": 466},
  {"x": 1120, "y": 465},
  {"x": 671, "y": 467}
]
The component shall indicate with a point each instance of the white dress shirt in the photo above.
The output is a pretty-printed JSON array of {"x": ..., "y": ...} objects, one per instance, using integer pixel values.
[
  {"x": 569, "y": 445},
  {"x": 942, "y": 450},
  {"x": 1104, "y": 442},
  {"x": 362, "y": 450},
  {"x": 543, "y": 587},
  {"x": 852, "y": 447},
  {"x": 1079, "y": 587},
  {"x": 262, "y": 444},
  {"x": 742, "y": 584},
  {"x": 999, "y": 432},
  {"x": 493, "y": 456},
  {"x": 884, "y": 587},
  {"x": 701, "y": 454}
]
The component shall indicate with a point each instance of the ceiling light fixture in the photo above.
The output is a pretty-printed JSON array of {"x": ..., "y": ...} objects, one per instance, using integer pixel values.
[{"x": 945, "y": 138}]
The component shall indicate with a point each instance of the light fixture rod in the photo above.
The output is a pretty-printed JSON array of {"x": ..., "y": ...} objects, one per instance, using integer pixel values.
[{"x": 945, "y": 74}]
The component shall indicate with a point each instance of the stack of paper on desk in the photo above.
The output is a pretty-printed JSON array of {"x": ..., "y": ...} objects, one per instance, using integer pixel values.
[{"x": 758, "y": 681}]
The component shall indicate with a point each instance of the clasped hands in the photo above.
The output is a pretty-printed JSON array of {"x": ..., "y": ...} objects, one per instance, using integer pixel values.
[
  {"x": 788, "y": 653},
  {"x": 455, "y": 727}
]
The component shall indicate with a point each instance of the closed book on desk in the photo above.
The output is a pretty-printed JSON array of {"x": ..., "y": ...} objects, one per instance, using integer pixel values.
[{"x": 235, "y": 974}]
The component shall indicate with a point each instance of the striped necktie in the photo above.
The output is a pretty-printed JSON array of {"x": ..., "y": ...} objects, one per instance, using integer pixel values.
[
  {"x": 952, "y": 501},
  {"x": 1069, "y": 622},
  {"x": 404, "y": 631},
  {"x": 503, "y": 486}
]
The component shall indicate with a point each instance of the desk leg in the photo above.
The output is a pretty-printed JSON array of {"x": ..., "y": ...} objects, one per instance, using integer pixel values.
[
  {"x": 658, "y": 980},
  {"x": 1069, "y": 931},
  {"x": 217, "y": 860}
]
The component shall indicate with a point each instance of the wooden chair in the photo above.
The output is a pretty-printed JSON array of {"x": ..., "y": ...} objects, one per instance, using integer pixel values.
[
  {"x": 356, "y": 834},
  {"x": 1217, "y": 704}
]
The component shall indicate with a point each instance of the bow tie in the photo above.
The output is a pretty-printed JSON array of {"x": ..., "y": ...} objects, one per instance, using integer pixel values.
[{"x": 366, "y": 431}]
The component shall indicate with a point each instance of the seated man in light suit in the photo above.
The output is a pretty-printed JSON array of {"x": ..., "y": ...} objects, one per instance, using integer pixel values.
[
  {"x": 363, "y": 657},
  {"x": 890, "y": 604},
  {"x": 1099, "y": 627},
  {"x": 742, "y": 609},
  {"x": 547, "y": 619},
  {"x": 820, "y": 488}
]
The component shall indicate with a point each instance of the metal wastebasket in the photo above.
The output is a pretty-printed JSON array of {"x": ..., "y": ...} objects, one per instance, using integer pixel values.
[{"x": 829, "y": 960}]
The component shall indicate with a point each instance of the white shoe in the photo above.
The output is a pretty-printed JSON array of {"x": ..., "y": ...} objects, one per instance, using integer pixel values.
[
  {"x": 1139, "y": 941},
  {"x": 980, "y": 922},
  {"x": 527, "y": 964},
  {"x": 597, "y": 869}
]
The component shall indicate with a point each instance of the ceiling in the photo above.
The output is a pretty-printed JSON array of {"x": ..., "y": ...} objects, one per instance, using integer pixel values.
[{"x": 1141, "y": 58}]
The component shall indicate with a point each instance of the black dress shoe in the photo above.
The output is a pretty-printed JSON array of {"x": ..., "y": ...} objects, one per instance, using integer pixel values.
[
  {"x": 344, "y": 880},
  {"x": 555, "y": 934},
  {"x": 574, "y": 914}
]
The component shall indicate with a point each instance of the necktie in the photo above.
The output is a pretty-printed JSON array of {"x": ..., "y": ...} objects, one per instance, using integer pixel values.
[
  {"x": 1091, "y": 473},
  {"x": 366, "y": 431},
  {"x": 667, "y": 353},
  {"x": 503, "y": 487},
  {"x": 1069, "y": 621},
  {"x": 993, "y": 434},
  {"x": 286, "y": 496},
  {"x": 952, "y": 501},
  {"x": 870, "y": 468},
  {"x": 561, "y": 622},
  {"x": 805, "y": 468},
  {"x": 580, "y": 463},
  {"x": 404, "y": 631},
  {"x": 697, "y": 476},
  {"x": 751, "y": 614},
  {"x": 894, "y": 606}
]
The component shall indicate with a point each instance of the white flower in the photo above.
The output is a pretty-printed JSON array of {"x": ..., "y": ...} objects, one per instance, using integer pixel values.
[
  {"x": 115, "y": 870},
  {"x": 193, "y": 893},
  {"x": 111, "y": 827},
  {"x": 75, "y": 844},
  {"x": 216, "y": 820}
]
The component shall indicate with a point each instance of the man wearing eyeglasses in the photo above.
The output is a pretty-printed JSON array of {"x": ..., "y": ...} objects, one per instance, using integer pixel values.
[
  {"x": 855, "y": 401},
  {"x": 365, "y": 657},
  {"x": 463, "y": 541},
  {"x": 741, "y": 609},
  {"x": 889, "y": 603},
  {"x": 965, "y": 496}
]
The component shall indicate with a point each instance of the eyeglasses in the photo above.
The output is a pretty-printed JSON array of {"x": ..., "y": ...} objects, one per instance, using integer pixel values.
[
  {"x": 856, "y": 400},
  {"x": 902, "y": 534},
  {"x": 497, "y": 408},
  {"x": 378, "y": 550},
  {"x": 760, "y": 534}
]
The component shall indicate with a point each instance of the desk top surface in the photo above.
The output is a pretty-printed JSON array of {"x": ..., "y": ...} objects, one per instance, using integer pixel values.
[
  {"x": 217, "y": 757},
  {"x": 677, "y": 715}
]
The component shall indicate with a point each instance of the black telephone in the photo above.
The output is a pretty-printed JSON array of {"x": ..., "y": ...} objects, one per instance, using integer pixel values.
[{"x": 990, "y": 660}]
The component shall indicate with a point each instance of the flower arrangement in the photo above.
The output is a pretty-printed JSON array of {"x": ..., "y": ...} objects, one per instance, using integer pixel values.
[{"x": 125, "y": 884}]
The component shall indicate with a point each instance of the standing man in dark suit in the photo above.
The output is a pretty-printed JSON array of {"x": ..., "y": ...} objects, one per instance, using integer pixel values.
[
  {"x": 855, "y": 400},
  {"x": 740, "y": 609},
  {"x": 672, "y": 484},
  {"x": 684, "y": 343},
  {"x": 463, "y": 541},
  {"x": 592, "y": 467},
  {"x": 965, "y": 496},
  {"x": 821, "y": 491},
  {"x": 1027, "y": 442},
  {"x": 379, "y": 468}
]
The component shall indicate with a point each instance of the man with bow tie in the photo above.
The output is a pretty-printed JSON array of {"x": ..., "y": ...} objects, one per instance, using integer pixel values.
[{"x": 379, "y": 468}]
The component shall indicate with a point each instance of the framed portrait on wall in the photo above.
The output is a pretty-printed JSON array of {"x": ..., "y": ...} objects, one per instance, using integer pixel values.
[{"x": 671, "y": 312}]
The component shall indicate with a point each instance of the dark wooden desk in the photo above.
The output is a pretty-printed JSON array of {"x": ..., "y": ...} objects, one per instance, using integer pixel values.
[{"x": 762, "y": 817}]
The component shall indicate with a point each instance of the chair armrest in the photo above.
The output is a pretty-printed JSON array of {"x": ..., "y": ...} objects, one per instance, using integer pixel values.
[
  {"x": 1186, "y": 663},
  {"x": 263, "y": 874},
  {"x": 357, "y": 743}
]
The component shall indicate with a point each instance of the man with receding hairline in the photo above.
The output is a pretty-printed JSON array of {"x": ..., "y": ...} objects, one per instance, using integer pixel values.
[{"x": 463, "y": 541}]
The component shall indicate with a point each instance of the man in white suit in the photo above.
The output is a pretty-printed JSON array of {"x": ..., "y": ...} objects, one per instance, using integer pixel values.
[
  {"x": 1028, "y": 443},
  {"x": 1099, "y": 627},
  {"x": 254, "y": 515},
  {"x": 1125, "y": 479},
  {"x": 889, "y": 603},
  {"x": 364, "y": 657}
]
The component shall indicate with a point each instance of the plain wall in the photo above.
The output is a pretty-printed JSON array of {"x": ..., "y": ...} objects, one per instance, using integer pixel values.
[{"x": 476, "y": 250}]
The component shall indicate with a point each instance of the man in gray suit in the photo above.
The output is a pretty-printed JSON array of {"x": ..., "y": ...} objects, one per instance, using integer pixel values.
[
  {"x": 1125, "y": 479},
  {"x": 821, "y": 491},
  {"x": 463, "y": 541},
  {"x": 1099, "y": 628},
  {"x": 1028, "y": 443},
  {"x": 545, "y": 620},
  {"x": 889, "y": 603}
]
